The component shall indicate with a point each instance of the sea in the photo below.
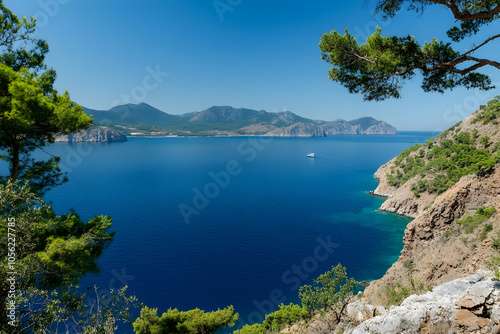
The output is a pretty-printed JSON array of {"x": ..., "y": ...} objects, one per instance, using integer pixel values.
[{"x": 243, "y": 221}]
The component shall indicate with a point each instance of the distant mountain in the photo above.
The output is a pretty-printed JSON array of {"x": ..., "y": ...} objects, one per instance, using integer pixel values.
[
  {"x": 360, "y": 126},
  {"x": 143, "y": 119},
  {"x": 134, "y": 115},
  {"x": 371, "y": 126}
]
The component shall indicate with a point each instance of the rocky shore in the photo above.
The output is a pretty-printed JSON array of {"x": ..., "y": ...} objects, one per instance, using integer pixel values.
[{"x": 96, "y": 134}]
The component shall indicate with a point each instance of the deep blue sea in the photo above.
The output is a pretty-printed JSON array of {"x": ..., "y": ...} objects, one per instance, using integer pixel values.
[{"x": 212, "y": 222}]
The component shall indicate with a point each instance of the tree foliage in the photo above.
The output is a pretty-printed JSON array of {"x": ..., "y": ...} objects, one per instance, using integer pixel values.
[
  {"x": 52, "y": 252},
  {"x": 286, "y": 315},
  {"x": 378, "y": 67},
  {"x": 491, "y": 114},
  {"x": 175, "y": 321},
  {"x": 441, "y": 164},
  {"x": 71, "y": 311},
  {"x": 331, "y": 291},
  {"x": 32, "y": 112}
]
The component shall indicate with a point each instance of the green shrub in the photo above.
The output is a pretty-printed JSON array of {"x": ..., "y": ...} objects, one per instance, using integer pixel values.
[
  {"x": 470, "y": 223},
  {"x": 252, "y": 329},
  {"x": 175, "y": 321},
  {"x": 486, "y": 229},
  {"x": 492, "y": 264},
  {"x": 496, "y": 244},
  {"x": 286, "y": 315},
  {"x": 408, "y": 264},
  {"x": 398, "y": 292},
  {"x": 491, "y": 112},
  {"x": 485, "y": 141}
]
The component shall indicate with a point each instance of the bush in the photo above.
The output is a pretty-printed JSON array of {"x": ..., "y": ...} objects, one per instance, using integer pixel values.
[
  {"x": 175, "y": 321},
  {"x": 484, "y": 234},
  {"x": 252, "y": 329},
  {"x": 470, "y": 223},
  {"x": 286, "y": 315},
  {"x": 485, "y": 141},
  {"x": 496, "y": 244},
  {"x": 493, "y": 264},
  {"x": 398, "y": 292}
]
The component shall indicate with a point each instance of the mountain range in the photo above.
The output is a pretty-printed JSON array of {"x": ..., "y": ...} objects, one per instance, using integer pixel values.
[{"x": 145, "y": 120}]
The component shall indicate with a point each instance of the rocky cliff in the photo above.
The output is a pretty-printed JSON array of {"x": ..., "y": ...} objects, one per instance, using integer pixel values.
[
  {"x": 298, "y": 130},
  {"x": 360, "y": 126},
  {"x": 94, "y": 134},
  {"x": 464, "y": 305},
  {"x": 448, "y": 238}
]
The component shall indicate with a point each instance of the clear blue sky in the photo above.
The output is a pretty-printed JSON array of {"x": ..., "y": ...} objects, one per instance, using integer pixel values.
[{"x": 258, "y": 54}]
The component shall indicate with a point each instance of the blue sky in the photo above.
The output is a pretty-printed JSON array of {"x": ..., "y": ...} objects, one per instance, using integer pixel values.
[{"x": 245, "y": 53}]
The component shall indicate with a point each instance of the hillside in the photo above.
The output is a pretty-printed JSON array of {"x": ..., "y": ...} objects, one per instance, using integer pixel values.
[
  {"x": 143, "y": 119},
  {"x": 451, "y": 186}
]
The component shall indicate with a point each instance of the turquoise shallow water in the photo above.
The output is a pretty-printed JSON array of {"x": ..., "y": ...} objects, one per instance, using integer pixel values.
[{"x": 260, "y": 219}]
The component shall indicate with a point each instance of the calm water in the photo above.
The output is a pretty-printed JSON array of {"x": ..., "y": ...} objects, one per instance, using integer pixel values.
[{"x": 260, "y": 219}]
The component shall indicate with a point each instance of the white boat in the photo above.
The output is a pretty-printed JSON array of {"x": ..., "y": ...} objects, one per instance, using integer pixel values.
[{"x": 311, "y": 155}]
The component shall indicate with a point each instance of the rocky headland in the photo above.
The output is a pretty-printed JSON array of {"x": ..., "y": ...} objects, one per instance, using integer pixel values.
[
  {"x": 437, "y": 248},
  {"x": 360, "y": 126},
  {"x": 96, "y": 134}
]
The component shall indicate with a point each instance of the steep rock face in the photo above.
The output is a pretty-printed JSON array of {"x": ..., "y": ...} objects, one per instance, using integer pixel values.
[
  {"x": 360, "y": 126},
  {"x": 298, "y": 130},
  {"x": 436, "y": 249},
  {"x": 468, "y": 194},
  {"x": 339, "y": 127},
  {"x": 98, "y": 134}
]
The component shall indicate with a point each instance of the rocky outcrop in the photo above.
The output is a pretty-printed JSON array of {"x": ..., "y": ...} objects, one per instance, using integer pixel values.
[
  {"x": 465, "y": 305},
  {"x": 298, "y": 130},
  {"x": 97, "y": 134},
  {"x": 382, "y": 128},
  {"x": 361, "y": 126}
]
